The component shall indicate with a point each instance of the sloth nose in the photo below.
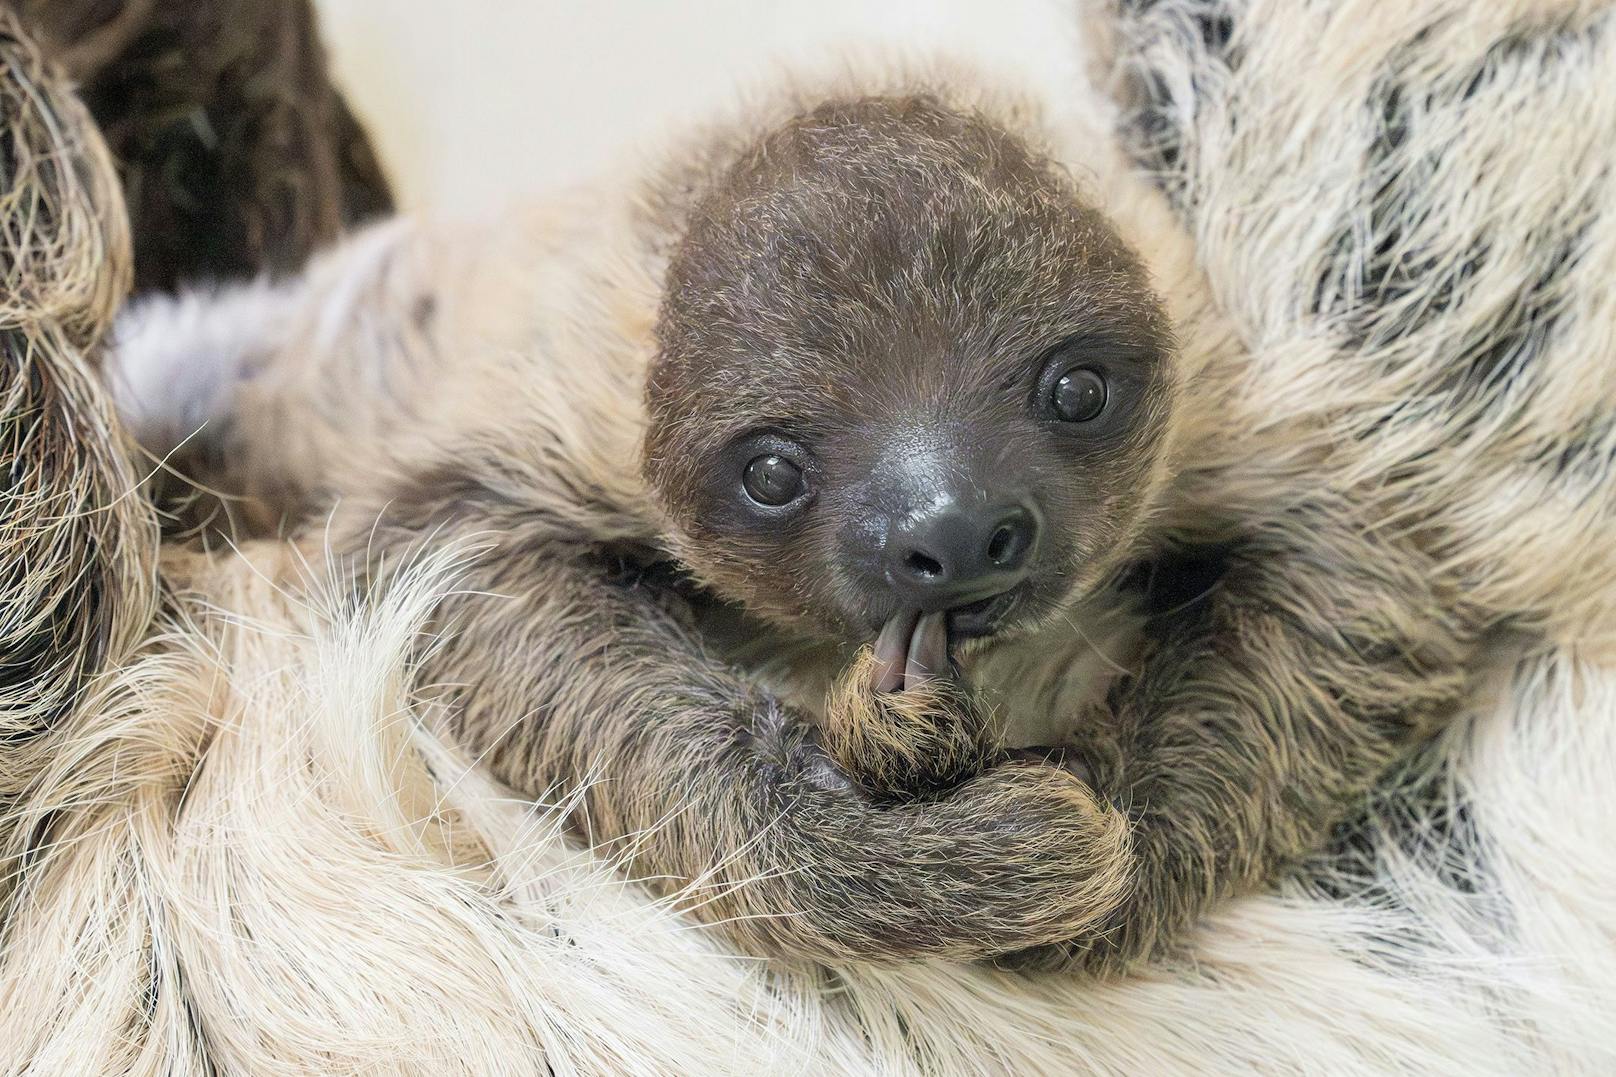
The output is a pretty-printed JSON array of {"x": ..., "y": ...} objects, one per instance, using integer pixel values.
[{"x": 956, "y": 554}]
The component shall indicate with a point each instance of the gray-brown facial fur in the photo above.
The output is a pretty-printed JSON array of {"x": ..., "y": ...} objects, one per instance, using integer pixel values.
[{"x": 884, "y": 292}]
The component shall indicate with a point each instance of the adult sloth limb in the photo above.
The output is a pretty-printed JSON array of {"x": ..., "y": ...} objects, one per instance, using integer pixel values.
[{"x": 76, "y": 578}]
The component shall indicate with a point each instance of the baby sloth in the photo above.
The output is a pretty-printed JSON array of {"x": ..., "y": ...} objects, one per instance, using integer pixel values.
[
  {"x": 910, "y": 388},
  {"x": 892, "y": 378}
]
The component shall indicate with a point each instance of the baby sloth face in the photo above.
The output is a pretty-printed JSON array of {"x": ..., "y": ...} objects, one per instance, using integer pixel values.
[{"x": 908, "y": 383}]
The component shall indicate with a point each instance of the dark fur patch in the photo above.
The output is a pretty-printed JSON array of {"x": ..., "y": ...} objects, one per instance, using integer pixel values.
[
  {"x": 1411, "y": 815},
  {"x": 1179, "y": 581},
  {"x": 1584, "y": 457},
  {"x": 1154, "y": 136},
  {"x": 1375, "y": 269},
  {"x": 236, "y": 151},
  {"x": 1153, "y": 128},
  {"x": 1212, "y": 20}
]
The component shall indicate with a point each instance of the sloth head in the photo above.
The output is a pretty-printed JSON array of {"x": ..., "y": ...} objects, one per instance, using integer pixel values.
[{"x": 903, "y": 368}]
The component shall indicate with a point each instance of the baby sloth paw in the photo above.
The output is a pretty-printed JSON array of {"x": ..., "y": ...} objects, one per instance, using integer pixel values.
[{"x": 899, "y": 722}]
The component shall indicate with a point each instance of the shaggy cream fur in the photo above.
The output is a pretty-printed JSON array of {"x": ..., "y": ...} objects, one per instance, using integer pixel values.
[
  {"x": 262, "y": 859},
  {"x": 272, "y": 867}
]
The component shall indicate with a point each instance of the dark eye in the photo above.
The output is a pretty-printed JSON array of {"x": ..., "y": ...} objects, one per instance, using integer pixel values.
[
  {"x": 1079, "y": 395},
  {"x": 772, "y": 480}
]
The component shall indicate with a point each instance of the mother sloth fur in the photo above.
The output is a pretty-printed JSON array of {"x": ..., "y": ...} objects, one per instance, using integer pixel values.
[
  {"x": 907, "y": 383},
  {"x": 236, "y": 857}
]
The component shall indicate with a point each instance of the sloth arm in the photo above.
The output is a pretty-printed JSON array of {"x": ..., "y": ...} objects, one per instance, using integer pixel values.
[
  {"x": 1319, "y": 658},
  {"x": 1264, "y": 713},
  {"x": 567, "y": 676},
  {"x": 561, "y": 675}
]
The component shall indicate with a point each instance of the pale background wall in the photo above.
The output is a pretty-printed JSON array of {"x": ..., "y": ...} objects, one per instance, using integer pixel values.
[{"x": 475, "y": 100}]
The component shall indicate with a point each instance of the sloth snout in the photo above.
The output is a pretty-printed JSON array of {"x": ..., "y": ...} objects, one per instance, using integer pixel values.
[{"x": 955, "y": 553}]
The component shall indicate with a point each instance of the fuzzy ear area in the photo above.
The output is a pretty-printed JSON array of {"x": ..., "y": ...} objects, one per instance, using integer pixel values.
[
  {"x": 77, "y": 541},
  {"x": 921, "y": 740}
]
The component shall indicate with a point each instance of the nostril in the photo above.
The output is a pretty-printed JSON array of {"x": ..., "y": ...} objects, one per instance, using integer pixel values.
[
  {"x": 922, "y": 566},
  {"x": 1001, "y": 547},
  {"x": 1009, "y": 544}
]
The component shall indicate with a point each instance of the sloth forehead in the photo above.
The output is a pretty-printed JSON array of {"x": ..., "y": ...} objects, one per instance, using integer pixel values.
[
  {"x": 879, "y": 199},
  {"x": 874, "y": 259},
  {"x": 890, "y": 231}
]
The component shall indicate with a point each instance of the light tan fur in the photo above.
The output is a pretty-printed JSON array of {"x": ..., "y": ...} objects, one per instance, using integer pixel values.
[
  {"x": 1413, "y": 979},
  {"x": 77, "y": 544},
  {"x": 487, "y": 381}
]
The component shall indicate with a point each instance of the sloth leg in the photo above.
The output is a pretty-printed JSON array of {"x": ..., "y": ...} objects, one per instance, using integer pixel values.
[
  {"x": 565, "y": 680},
  {"x": 1321, "y": 658}
]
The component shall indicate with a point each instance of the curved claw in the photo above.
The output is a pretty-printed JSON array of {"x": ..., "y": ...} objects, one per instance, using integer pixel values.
[
  {"x": 928, "y": 651},
  {"x": 891, "y": 652},
  {"x": 911, "y": 650}
]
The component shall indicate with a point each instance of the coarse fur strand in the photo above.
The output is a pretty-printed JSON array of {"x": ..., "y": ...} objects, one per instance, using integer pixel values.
[
  {"x": 1479, "y": 948},
  {"x": 433, "y": 383},
  {"x": 78, "y": 544}
]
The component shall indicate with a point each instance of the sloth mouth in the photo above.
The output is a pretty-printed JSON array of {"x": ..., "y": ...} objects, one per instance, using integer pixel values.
[
  {"x": 982, "y": 617},
  {"x": 913, "y": 647}
]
